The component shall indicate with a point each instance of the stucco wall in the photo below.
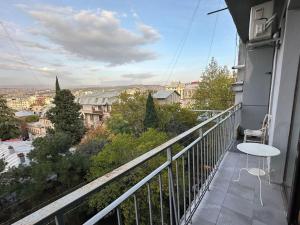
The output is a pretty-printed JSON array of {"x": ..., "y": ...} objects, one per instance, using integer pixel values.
[
  {"x": 256, "y": 88},
  {"x": 284, "y": 89}
]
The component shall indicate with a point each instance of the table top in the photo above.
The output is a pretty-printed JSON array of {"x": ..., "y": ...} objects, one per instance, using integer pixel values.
[{"x": 258, "y": 149}]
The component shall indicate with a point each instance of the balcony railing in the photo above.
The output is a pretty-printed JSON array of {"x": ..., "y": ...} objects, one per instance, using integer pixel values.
[{"x": 188, "y": 174}]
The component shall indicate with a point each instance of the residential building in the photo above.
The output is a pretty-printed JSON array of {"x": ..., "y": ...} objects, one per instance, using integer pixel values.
[
  {"x": 39, "y": 128},
  {"x": 96, "y": 107},
  {"x": 14, "y": 152},
  {"x": 188, "y": 93},
  {"x": 176, "y": 86},
  {"x": 20, "y": 103},
  {"x": 166, "y": 97},
  {"x": 203, "y": 176}
]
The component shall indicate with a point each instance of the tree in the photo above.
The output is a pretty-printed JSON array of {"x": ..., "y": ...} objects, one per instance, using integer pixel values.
[
  {"x": 2, "y": 165},
  {"x": 8, "y": 124},
  {"x": 151, "y": 119},
  {"x": 214, "y": 91},
  {"x": 128, "y": 114},
  {"x": 123, "y": 148},
  {"x": 57, "y": 87},
  {"x": 174, "y": 119},
  {"x": 66, "y": 116},
  {"x": 32, "y": 118}
]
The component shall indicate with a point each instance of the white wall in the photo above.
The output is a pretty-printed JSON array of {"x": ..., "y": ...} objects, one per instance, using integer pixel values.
[{"x": 284, "y": 89}]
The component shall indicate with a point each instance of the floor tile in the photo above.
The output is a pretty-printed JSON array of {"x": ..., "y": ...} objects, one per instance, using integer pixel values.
[{"x": 239, "y": 205}]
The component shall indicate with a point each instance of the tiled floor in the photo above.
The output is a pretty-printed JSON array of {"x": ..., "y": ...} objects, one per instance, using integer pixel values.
[{"x": 237, "y": 203}]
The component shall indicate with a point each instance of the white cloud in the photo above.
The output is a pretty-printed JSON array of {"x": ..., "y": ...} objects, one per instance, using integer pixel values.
[{"x": 93, "y": 35}]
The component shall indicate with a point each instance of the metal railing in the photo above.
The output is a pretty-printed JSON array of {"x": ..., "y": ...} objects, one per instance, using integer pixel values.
[{"x": 188, "y": 174}]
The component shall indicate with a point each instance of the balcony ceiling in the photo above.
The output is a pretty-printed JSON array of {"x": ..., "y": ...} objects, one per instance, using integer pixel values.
[{"x": 240, "y": 12}]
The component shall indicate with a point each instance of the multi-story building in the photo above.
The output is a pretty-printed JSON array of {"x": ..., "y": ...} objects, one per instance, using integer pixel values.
[
  {"x": 188, "y": 93},
  {"x": 176, "y": 86},
  {"x": 96, "y": 107},
  {"x": 166, "y": 97},
  {"x": 20, "y": 103}
]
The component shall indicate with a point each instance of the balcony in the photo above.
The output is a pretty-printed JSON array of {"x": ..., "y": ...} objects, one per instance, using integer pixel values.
[{"x": 194, "y": 184}]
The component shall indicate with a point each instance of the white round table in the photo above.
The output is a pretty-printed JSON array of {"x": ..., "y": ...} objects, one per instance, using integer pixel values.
[{"x": 260, "y": 150}]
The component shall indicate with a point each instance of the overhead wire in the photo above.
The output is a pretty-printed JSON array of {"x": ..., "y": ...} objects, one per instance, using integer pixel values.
[
  {"x": 182, "y": 43},
  {"x": 212, "y": 39},
  {"x": 19, "y": 52}
]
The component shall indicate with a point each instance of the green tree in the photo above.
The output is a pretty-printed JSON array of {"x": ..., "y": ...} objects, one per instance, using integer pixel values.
[
  {"x": 66, "y": 116},
  {"x": 174, "y": 119},
  {"x": 2, "y": 165},
  {"x": 32, "y": 118},
  {"x": 214, "y": 91},
  {"x": 123, "y": 148},
  {"x": 151, "y": 119},
  {"x": 8, "y": 124},
  {"x": 57, "y": 87},
  {"x": 128, "y": 114}
]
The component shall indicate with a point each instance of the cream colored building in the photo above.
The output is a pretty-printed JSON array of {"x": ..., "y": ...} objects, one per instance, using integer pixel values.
[
  {"x": 176, "y": 86},
  {"x": 96, "y": 107}
]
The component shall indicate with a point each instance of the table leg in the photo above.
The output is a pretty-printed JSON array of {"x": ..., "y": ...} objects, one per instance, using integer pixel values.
[
  {"x": 237, "y": 180},
  {"x": 261, "y": 202}
]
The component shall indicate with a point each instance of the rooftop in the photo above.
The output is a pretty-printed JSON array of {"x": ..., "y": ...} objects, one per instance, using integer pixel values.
[
  {"x": 162, "y": 94},
  {"x": 98, "y": 98}
]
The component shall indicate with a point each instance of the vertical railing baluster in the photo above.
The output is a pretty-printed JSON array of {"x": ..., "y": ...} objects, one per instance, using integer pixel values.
[
  {"x": 136, "y": 210},
  {"x": 198, "y": 168},
  {"x": 161, "y": 199},
  {"x": 169, "y": 158},
  {"x": 119, "y": 216},
  {"x": 59, "y": 219},
  {"x": 202, "y": 162},
  {"x": 178, "y": 190},
  {"x": 149, "y": 204},
  {"x": 183, "y": 184},
  {"x": 194, "y": 177},
  {"x": 189, "y": 180}
]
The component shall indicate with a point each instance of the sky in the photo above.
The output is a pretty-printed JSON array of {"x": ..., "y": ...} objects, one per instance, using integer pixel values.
[{"x": 111, "y": 42}]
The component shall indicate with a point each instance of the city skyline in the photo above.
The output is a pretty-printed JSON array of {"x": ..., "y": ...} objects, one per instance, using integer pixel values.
[{"x": 110, "y": 44}]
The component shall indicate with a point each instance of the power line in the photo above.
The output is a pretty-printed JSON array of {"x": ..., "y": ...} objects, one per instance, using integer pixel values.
[
  {"x": 212, "y": 37},
  {"x": 182, "y": 43},
  {"x": 19, "y": 52}
]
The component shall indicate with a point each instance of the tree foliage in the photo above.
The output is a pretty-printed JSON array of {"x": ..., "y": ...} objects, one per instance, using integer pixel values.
[
  {"x": 174, "y": 119},
  {"x": 8, "y": 124},
  {"x": 214, "y": 91},
  {"x": 151, "y": 119},
  {"x": 123, "y": 148},
  {"x": 66, "y": 116},
  {"x": 32, "y": 118},
  {"x": 2, "y": 165},
  {"x": 128, "y": 114}
]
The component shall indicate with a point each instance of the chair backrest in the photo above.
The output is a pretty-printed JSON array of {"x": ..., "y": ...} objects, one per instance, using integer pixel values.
[
  {"x": 265, "y": 126},
  {"x": 266, "y": 121}
]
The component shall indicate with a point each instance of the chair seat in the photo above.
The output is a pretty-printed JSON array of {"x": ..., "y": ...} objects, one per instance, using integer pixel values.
[{"x": 253, "y": 133}]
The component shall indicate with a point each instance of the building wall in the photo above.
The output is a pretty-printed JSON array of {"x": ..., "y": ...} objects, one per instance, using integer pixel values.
[
  {"x": 284, "y": 91},
  {"x": 256, "y": 87}
]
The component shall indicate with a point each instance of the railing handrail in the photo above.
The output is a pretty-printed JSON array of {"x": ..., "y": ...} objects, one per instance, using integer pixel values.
[{"x": 54, "y": 208}]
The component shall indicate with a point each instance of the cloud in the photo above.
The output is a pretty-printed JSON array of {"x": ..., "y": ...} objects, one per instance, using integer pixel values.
[
  {"x": 139, "y": 76},
  {"x": 94, "y": 35}
]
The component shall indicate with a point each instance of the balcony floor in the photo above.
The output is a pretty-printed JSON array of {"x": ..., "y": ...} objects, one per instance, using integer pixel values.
[{"x": 237, "y": 203}]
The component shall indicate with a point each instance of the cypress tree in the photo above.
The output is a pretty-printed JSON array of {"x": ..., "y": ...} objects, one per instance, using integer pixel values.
[
  {"x": 151, "y": 118},
  {"x": 66, "y": 116},
  {"x": 57, "y": 87}
]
